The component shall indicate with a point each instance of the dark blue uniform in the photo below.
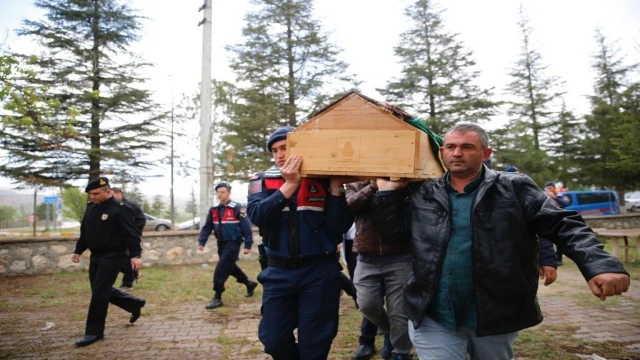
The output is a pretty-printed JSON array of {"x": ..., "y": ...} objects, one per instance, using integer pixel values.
[
  {"x": 301, "y": 285},
  {"x": 230, "y": 227}
]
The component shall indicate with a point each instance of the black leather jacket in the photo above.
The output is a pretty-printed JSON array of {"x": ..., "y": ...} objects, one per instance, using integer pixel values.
[{"x": 509, "y": 212}]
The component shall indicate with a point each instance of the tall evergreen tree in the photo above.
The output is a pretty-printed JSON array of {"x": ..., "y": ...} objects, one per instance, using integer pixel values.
[
  {"x": 611, "y": 81},
  {"x": 512, "y": 145},
  {"x": 624, "y": 139},
  {"x": 88, "y": 64},
  {"x": 283, "y": 65},
  {"x": 34, "y": 128},
  {"x": 533, "y": 92},
  {"x": 439, "y": 80},
  {"x": 565, "y": 140}
]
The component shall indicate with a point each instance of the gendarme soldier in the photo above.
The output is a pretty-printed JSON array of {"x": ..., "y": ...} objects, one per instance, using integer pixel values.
[
  {"x": 109, "y": 232},
  {"x": 230, "y": 227},
  {"x": 301, "y": 222}
]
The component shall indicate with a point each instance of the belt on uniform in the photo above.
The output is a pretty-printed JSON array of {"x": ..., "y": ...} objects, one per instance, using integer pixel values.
[{"x": 298, "y": 262}]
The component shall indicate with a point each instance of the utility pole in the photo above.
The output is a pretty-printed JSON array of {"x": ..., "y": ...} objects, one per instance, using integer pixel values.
[
  {"x": 173, "y": 215},
  {"x": 206, "y": 158}
]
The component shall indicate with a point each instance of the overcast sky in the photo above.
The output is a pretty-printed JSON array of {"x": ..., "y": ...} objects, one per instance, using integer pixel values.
[{"x": 367, "y": 31}]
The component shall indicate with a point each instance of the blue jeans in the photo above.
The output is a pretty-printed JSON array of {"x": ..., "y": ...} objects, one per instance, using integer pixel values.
[{"x": 435, "y": 342}]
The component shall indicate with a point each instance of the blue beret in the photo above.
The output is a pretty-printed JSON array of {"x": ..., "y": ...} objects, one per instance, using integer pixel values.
[
  {"x": 222, "y": 184},
  {"x": 96, "y": 183},
  {"x": 278, "y": 135},
  {"x": 549, "y": 183},
  {"x": 511, "y": 168}
]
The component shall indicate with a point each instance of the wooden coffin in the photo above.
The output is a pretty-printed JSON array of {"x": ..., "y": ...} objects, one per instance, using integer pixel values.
[{"x": 356, "y": 136}]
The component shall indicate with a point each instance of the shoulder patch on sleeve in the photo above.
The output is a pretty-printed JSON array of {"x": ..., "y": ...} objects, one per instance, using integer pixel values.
[
  {"x": 232, "y": 204},
  {"x": 255, "y": 186},
  {"x": 243, "y": 211},
  {"x": 255, "y": 177}
]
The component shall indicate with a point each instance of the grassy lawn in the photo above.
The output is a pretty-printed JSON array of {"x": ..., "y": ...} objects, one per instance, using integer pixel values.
[{"x": 167, "y": 287}]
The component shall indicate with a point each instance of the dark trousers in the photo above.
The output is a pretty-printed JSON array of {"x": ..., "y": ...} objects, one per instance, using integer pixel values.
[
  {"x": 103, "y": 272},
  {"x": 306, "y": 298},
  {"x": 129, "y": 274},
  {"x": 228, "y": 254},
  {"x": 368, "y": 329}
]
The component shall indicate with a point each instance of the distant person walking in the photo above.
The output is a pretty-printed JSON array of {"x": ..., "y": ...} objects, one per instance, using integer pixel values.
[
  {"x": 129, "y": 274},
  {"x": 231, "y": 228}
]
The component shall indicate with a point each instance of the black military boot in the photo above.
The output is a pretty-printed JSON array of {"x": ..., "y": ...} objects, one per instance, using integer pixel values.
[
  {"x": 251, "y": 287},
  {"x": 364, "y": 352},
  {"x": 215, "y": 303}
]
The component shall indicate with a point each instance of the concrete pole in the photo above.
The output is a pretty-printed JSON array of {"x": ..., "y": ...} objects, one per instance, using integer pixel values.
[{"x": 206, "y": 154}]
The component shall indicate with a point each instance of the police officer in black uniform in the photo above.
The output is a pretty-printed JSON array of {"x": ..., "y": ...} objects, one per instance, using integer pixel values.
[
  {"x": 301, "y": 222},
  {"x": 230, "y": 227},
  {"x": 108, "y": 230},
  {"x": 140, "y": 220}
]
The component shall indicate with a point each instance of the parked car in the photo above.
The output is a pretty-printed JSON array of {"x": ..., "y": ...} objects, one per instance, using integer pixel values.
[
  {"x": 192, "y": 224},
  {"x": 633, "y": 201},
  {"x": 598, "y": 202},
  {"x": 155, "y": 224}
]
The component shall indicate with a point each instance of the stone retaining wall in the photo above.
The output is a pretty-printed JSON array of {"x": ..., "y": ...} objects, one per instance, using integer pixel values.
[
  {"x": 625, "y": 221},
  {"x": 44, "y": 255}
]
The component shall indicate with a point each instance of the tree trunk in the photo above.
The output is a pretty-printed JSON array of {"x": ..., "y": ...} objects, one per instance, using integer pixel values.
[
  {"x": 94, "y": 153},
  {"x": 291, "y": 106}
]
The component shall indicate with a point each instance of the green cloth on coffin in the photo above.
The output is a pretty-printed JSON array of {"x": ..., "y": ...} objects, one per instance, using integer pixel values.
[{"x": 435, "y": 141}]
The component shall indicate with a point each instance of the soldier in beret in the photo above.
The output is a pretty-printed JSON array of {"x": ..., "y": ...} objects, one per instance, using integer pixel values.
[
  {"x": 108, "y": 230},
  {"x": 231, "y": 228}
]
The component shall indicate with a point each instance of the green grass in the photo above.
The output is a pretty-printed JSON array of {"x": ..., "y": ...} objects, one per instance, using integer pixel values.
[{"x": 554, "y": 342}]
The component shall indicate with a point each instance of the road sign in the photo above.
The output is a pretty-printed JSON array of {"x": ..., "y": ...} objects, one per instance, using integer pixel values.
[
  {"x": 31, "y": 218},
  {"x": 50, "y": 199}
]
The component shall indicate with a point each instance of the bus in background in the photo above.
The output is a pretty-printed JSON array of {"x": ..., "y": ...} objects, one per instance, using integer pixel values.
[{"x": 596, "y": 202}]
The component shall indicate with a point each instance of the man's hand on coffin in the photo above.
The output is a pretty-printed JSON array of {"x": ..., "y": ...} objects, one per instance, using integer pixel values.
[
  {"x": 291, "y": 170},
  {"x": 385, "y": 184}
]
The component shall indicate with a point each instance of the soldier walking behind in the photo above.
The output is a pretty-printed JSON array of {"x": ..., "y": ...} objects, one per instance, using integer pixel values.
[{"x": 230, "y": 227}]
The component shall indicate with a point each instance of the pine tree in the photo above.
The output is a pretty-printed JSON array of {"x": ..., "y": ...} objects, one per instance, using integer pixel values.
[
  {"x": 625, "y": 139},
  {"x": 565, "y": 140},
  {"x": 599, "y": 166},
  {"x": 34, "y": 129},
  {"x": 534, "y": 93},
  {"x": 438, "y": 81},
  {"x": 88, "y": 64},
  {"x": 512, "y": 145},
  {"x": 284, "y": 64}
]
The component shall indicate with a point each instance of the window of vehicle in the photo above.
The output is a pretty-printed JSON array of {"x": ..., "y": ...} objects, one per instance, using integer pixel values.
[{"x": 594, "y": 198}]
